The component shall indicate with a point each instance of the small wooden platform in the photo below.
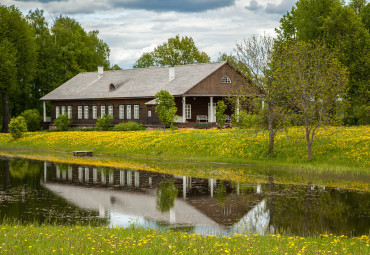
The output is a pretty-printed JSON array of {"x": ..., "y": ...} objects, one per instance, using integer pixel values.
[{"x": 83, "y": 153}]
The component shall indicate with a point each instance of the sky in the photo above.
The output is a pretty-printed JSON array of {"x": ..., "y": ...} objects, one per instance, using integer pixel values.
[{"x": 132, "y": 27}]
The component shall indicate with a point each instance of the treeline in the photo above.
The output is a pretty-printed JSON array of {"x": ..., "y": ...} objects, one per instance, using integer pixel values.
[{"x": 37, "y": 57}]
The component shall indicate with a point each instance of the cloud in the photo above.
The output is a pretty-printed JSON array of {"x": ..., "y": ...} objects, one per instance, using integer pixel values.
[
  {"x": 172, "y": 5},
  {"x": 254, "y": 6},
  {"x": 282, "y": 8}
]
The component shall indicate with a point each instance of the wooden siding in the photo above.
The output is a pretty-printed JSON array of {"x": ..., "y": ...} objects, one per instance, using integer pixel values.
[{"x": 212, "y": 84}]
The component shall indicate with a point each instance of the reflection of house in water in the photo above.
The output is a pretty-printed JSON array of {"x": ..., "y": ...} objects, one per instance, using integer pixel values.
[{"x": 130, "y": 193}]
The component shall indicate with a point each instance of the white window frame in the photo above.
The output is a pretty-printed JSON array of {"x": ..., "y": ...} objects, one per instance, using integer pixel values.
[
  {"x": 57, "y": 112},
  {"x": 94, "y": 112},
  {"x": 86, "y": 112},
  {"x": 225, "y": 79},
  {"x": 63, "y": 110},
  {"x": 128, "y": 112},
  {"x": 110, "y": 110},
  {"x": 136, "y": 111},
  {"x": 121, "y": 111},
  {"x": 69, "y": 111},
  {"x": 102, "y": 110},
  {"x": 149, "y": 113},
  {"x": 188, "y": 111},
  {"x": 79, "y": 112}
]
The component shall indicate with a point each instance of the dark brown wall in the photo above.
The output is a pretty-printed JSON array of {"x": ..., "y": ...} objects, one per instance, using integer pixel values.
[
  {"x": 143, "y": 110},
  {"x": 212, "y": 84}
]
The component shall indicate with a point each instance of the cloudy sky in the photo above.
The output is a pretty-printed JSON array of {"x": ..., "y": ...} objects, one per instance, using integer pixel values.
[{"x": 132, "y": 27}]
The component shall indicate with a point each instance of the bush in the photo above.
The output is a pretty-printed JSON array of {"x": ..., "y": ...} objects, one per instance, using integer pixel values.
[
  {"x": 247, "y": 120},
  {"x": 104, "y": 122},
  {"x": 17, "y": 127},
  {"x": 62, "y": 122},
  {"x": 363, "y": 115},
  {"x": 33, "y": 119},
  {"x": 128, "y": 126}
]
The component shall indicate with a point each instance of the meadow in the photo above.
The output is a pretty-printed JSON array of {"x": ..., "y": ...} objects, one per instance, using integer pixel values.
[
  {"x": 333, "y": 148},
  {"x": 18, "y": 239}
]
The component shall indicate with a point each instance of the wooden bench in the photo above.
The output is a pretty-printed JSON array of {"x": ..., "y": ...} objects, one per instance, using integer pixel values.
[
  {"x": 83, "y": 153},
  {"x": 202, "y": 117}
]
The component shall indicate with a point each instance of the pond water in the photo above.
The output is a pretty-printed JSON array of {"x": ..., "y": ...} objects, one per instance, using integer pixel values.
[{"x": 35, "y": 191}]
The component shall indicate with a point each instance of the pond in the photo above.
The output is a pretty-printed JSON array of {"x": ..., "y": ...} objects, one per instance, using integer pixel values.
[{"x": 39, "y": 192}]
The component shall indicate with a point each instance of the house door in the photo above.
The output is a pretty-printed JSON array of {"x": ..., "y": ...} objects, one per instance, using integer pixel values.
[{"x": 214, "y": 112}]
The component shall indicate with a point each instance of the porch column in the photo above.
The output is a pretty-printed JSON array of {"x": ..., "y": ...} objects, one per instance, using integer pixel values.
[
  {"x": 263, "y": 104},
  {"x": 183, "y": 109},
  {"x": 44, "y": 104},
  {"x": 184, "y": 187},
  {"x": 211, "y": 110},
  {"x": 237, "y": 109}
]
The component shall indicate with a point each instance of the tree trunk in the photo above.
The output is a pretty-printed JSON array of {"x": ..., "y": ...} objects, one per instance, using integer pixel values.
[
  {"x": 309, "y": 145},
  {"x": 5, "y": 128},
  {"x": 271, "y": 135}
]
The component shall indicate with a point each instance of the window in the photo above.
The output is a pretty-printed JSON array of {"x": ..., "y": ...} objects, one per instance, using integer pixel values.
[
  {"x": 63, "y": 110},
  {"x": 136, "y": 112},
  {"x": 70, "y": 112},
  {"x": 121, "y": 111},
  {"x": 110, "y": 110},
  {"x": 225, "y": 79},
  {"x": 95, "y": 112},
  {"x": 128, "y": 112},
  {"x": 79, "y": 112},
  {"x": 86, "y": 112},
  {"x": 102, "y": 110},
  {"x": 188, "y": 111},
  {"x": 57, "y": 112},
  {"x": 149, "y": 114}
]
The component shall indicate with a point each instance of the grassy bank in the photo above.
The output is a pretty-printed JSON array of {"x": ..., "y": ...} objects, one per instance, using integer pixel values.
[
  {"x": 334, "y": 147},
  {"x": 101, "y": 240}
]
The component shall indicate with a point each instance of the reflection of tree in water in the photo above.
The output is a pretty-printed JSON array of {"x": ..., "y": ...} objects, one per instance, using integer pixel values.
[
  {"x": 20, "y": 168},
  {"x": 166, "y": 195},
  {"x": 221, "y": 194}
]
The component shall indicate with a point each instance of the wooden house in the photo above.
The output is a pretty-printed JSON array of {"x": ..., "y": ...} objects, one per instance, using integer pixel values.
[{"x": 129, "y": 95}]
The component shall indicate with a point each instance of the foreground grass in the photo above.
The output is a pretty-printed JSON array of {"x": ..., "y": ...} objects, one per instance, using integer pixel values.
[
  {"x": 15, "y": 239},
  {"x": 335, "y": 147}
]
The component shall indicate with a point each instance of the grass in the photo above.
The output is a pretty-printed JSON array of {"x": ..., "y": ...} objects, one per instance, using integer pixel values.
[
  {"x": 17, "y": 239},
  {"x": 337, "y": 148}
]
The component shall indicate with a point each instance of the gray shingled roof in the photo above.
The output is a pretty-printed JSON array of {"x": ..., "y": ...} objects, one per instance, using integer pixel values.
[{"x": 141, "y": 82}]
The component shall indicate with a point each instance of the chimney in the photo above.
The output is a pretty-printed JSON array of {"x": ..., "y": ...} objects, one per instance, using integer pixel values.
[
  {"x": 171, "y": 73},
  {"x": 100, "y": 71}
]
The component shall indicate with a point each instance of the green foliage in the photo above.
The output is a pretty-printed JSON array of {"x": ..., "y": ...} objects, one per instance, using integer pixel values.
[
  {"x": 166, "y": 195},
  {"x": 104, "y": 122},
  {"x": 17, "y": 127},
  {"x": 33, "y": 119},
  {"x": 176, "y": 51},
  {"x": 247, "y": 120},
  {"x": 166, "y": 107},
  {"x": 128, "y": 126},
  {"x": 62, "y": 123},
  {"x": 17, "y": 60},
  {"x": 220, "y": 113},
  {"x": 363, "y": 115},
  {"x": 115, "y": 67}
]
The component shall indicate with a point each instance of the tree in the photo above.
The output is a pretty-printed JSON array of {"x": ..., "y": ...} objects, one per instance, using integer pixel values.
[
  {"x": 254, "y": 58},
  {"x": 166, "y": 108},
  {"x": 17, "y": 58},
  {"x": 357, "y": 5},
  {"x": 220, "y": 113},
  {"x": 176, "y": 51},
  {"x": 344, "y": 32},
  {"x": 315, "y": 80},
  {"x": 33, "y": 119}
]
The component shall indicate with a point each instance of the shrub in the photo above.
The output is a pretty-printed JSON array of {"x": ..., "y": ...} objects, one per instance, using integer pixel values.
[
  {"x": 220, "y": 113},
  {"x": 17, "y": 127},
  {"x": 62, "y": 122},
  {"x": 247, "y": 120},
  {"x": 128, "y": 126},
  {"x": 33, "y": 119},
  {"x": 363, "y": 115},
  {"x": 104, "y": 122}
]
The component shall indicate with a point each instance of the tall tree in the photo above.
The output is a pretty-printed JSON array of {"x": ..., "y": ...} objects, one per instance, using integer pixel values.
[
  {"x": 18, "y": 54},
  {"x": 357, "y": 5},
  {"x": 176, "y": 51},
  {"x": 315, "y": 81},
  {"x": 343, "y": 31},
  {"x": 166, "y": 108},
  {"x": 253, "y": 59}
]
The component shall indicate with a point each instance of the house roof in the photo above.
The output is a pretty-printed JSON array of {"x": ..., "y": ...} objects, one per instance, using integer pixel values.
[{"x": 131, "y": 83}]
